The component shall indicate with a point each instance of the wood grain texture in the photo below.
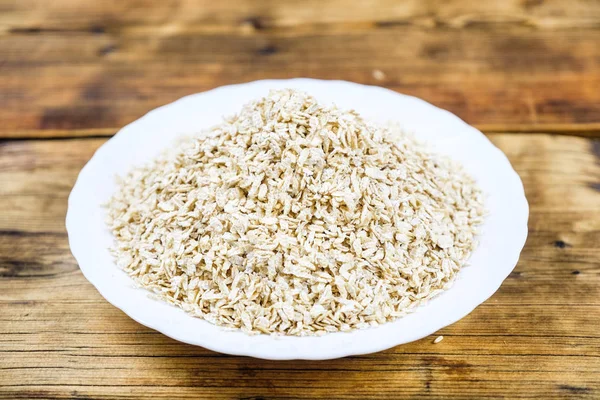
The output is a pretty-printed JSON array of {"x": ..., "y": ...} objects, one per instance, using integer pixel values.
[
  {"x": 88, "y": 68},
  {"x": 538, "y": 336},
  {"x": 527, "y": 72},
  {"x": 71, "y": 15}
]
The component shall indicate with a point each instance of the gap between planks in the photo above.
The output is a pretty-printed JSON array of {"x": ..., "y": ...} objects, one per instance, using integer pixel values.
[{"x": 586, "y": 130}]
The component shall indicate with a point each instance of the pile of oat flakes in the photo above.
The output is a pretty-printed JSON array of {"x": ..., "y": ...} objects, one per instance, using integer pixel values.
[{"x": 296, "y": 218}]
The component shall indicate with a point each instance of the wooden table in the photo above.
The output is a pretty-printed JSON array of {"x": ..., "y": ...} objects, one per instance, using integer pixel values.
[{"x": 527, "y": 73}]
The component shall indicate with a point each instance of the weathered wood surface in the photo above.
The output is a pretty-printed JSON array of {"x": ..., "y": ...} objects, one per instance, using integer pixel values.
[
  {"x": 537, "y": 336},
  {"x": 88, "y": 67},
  {"x": 527, "y": 72}
]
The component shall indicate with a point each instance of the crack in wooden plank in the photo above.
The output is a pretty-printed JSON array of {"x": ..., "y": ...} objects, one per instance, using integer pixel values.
[{"x": 587, "y": 130}]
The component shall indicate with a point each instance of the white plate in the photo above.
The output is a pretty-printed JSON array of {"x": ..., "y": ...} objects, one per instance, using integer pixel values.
[{"x": 503, "y": 237}]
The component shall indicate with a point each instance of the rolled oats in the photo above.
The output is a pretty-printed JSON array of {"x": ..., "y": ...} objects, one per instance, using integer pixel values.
[{"x": 296, "y": 218}]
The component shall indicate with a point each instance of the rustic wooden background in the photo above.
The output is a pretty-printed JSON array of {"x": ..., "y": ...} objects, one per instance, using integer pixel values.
[{"x": 526, "y": 72}]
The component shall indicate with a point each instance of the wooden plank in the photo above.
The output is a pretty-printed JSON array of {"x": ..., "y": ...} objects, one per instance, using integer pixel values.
[
  {"x": 538, "y": 336},
  {"x": 32, "y": 16},
  {"x": 487, "y": 78},
  {"x": 216, "y": 371},
  {"x": 489, "y": 320},
  {"x": 146, "y": 343},
  {"x": 317, "y": 389}
]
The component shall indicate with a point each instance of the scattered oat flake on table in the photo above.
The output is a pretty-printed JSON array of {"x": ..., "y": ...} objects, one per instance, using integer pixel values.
[
  {"x": 295, "y": 218},
  {"x": 378, "y": 74}
]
